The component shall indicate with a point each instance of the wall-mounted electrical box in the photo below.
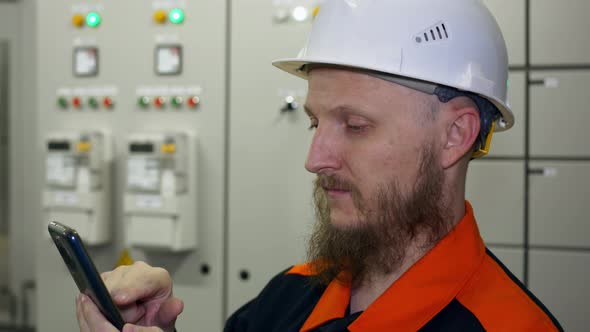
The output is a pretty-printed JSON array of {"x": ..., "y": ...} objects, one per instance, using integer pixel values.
[
  {"x": 77, "y": 190},
  {"x": 160, "y": 195}
]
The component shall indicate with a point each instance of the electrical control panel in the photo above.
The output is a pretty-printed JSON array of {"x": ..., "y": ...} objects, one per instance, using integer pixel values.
[{"x": 147, "y": 72}]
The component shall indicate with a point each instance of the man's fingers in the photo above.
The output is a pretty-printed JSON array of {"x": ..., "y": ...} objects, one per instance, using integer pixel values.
[
  {"x": 132, "y": 312},
  {"x": 139, "y": 281},
  {"x": 94, "y": 319},
  {"x": 169, "y": 311},
  {"x": 80, "y": 316},
  {"x": 135, "y": 328}
]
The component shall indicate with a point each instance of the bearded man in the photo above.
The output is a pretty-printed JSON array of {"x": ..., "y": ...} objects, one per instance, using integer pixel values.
[{"x": 401, "y": 96}]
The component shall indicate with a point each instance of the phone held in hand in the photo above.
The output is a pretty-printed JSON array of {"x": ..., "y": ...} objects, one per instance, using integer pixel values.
[{"x": 72, "y": 250}]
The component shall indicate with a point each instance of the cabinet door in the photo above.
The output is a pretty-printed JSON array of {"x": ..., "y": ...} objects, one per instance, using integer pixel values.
[
  {"x": 270, "y": 206},
  {"x": 126, "y": 43},
  {"x": 560, "y": 113},
  {"x": 560, "y": 280},
  {"x": 559, "y": 32},
  {"x": 558, "y": 199},
  {"x": 496, "y": 191}
]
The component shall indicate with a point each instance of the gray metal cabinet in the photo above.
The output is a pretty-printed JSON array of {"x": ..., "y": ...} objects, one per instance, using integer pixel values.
[
  {"x": 560, "y": 113},
  {"x": 559, "y": 32},
  {"x": 126, "y": 39},
  {"x": 510, "y": 16},
  {"x": 558, "y": 201},
  {"x": 560, "y": 280},
  {"x": 496, "y": 191},
  {"x": 270, "y": 207}
]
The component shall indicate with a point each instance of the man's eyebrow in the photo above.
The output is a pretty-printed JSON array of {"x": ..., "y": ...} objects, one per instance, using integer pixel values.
[{"x": 344, "y": 109}]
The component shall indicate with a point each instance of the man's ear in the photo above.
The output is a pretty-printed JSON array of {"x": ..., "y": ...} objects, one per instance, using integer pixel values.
[{"x": 461, "y": 121}]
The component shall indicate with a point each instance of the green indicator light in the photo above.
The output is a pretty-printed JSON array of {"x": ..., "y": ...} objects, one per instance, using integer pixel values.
[
  {"x": 62, "y": 102},
  {"x": 143, "y": 102},
  {"x": 176, "y": 16},
  {"x": 92, "y": 19},
  {"x": 93, "y": 102},
  {"x": 177, "y": 101}
]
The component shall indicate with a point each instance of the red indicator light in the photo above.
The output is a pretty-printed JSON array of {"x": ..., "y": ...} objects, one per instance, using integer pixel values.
[
  {"x": 76, "y": 102},
  {"x": 193, "y": 101},
  {"x": 107, "y": 102},
  {"x": 159, "y": 102}
]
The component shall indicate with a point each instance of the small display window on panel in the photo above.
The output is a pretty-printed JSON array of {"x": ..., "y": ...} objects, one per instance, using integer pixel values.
[
  {"x": 168, "y": 60},
  {"x": 85, "y": 61}
]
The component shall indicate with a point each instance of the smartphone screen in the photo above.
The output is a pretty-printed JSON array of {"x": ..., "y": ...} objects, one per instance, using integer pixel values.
[{"x": 72, "y": 250}]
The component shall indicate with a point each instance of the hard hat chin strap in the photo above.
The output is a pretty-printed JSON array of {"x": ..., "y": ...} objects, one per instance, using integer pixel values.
[
  {"x": 488, "y": 112},
  {"x": 488, "y": 115}
]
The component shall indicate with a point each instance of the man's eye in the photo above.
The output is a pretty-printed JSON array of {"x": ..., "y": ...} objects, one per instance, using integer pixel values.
[
  {"x": 313, "y": 125},
  {"x": 356, "y": 128}
]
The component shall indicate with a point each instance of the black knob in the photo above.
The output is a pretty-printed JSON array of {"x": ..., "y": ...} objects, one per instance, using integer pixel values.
[
  {"x": 205, "y": 269},
  {"x": 244, "y": 275}
]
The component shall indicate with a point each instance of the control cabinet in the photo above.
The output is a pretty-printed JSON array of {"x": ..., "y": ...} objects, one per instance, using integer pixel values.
[{"x": 148, "y": 72}]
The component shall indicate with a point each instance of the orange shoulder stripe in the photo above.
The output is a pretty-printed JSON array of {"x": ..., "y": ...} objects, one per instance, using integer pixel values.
[
  {"x": 301, "y": 269},
  {"x": 500, "y": 304}
]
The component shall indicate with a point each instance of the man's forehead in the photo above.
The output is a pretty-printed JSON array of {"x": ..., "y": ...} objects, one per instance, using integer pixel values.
[
  {"x": 352, "y": 86},
  {"x": 341, "y": 91},
  {"x": 330, "y": 89}
]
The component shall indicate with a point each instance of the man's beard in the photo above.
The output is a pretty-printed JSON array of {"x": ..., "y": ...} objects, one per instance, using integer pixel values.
[{"x": 379, "y": 239}]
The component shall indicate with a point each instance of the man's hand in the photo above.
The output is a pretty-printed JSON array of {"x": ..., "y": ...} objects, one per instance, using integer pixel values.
[{"x": 143, "y": 295}]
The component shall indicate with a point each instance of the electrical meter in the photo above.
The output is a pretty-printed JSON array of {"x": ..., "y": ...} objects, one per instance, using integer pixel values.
[
  {"x": 160, "y": 195},
  {"x": 78, "y": 182}
]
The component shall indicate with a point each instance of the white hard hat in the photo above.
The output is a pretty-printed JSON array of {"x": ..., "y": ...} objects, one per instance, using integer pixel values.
[{"x": 455, "y": 43}]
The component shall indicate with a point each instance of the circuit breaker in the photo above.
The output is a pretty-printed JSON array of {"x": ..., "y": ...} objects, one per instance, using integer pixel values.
[
  {"x": 160, "y": 196},
  {"x": 77, "y": 188}
]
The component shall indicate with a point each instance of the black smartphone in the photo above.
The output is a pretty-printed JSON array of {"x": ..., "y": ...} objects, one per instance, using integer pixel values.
[{"x": 72, "y": 250}]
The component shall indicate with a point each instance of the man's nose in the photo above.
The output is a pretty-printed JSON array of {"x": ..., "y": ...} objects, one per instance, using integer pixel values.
[{"x": 323, "y": 156}]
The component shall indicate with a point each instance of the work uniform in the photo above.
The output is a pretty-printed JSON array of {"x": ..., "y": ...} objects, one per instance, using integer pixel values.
[{"x": 459, "y": 285}]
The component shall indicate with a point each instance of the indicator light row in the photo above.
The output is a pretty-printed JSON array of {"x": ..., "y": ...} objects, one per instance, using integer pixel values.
[
  {"x": 90, "y": 102},
  {"x": 174, "y": 16},
  {"x": 93, "y": 19},
  {"x": 143, "y": 102},
  {"x": 160, "y": 102}
]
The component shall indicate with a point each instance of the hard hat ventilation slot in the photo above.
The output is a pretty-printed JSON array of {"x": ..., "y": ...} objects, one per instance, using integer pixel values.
[{"x": 437, "y": 32}]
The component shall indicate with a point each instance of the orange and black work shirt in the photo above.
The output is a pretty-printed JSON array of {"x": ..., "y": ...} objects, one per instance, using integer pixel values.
[{"x": 459, "y": 285}]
